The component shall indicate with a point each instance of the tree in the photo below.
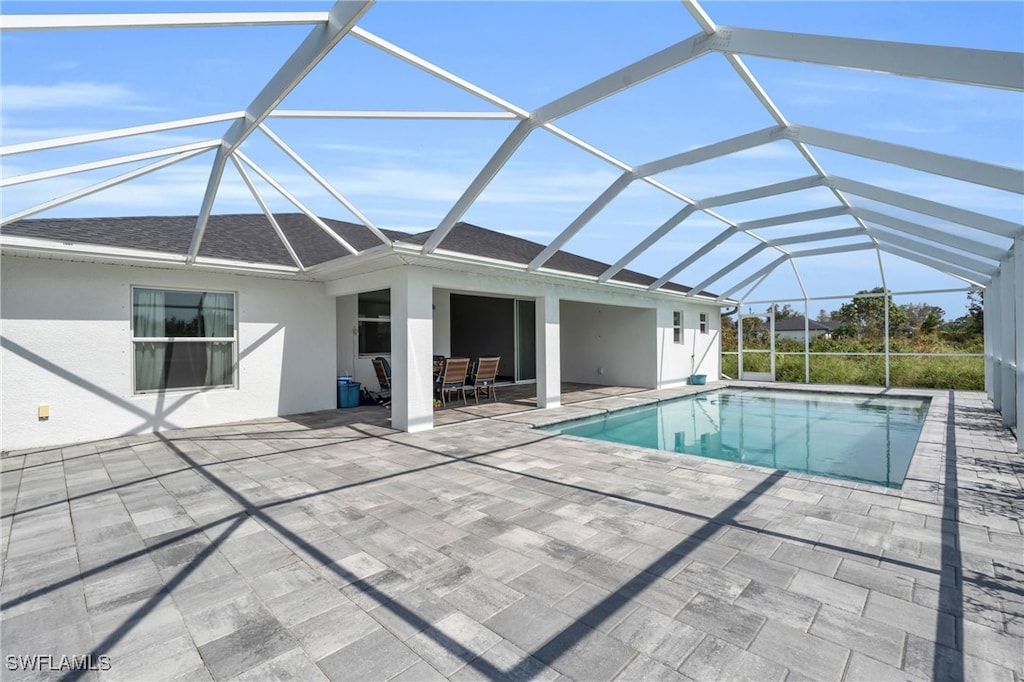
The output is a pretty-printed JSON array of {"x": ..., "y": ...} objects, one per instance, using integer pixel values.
[
  {"x": 974, "y": 321},
  {"x": 786, "y": 312},
  {"x": 921, "y": 315},
  {"x": 864, "y": 316}
]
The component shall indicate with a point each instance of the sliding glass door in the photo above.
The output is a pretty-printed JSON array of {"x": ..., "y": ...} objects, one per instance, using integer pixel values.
[{"x": 526, "y": 341}]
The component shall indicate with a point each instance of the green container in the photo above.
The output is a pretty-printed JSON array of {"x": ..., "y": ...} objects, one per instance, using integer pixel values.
[
  {"x": 698, "y": 379},
  {"x": 348, "y": 392}
]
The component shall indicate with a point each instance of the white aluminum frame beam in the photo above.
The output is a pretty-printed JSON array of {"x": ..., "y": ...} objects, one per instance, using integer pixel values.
[
  {"x": 932, "y": 235},
  {"x": 295, "y": 202},
  {"x": 988, "y": 68},
  {"x": 100, "y": 186},
  {"x": 324, "y": 183},
  {"x": 107, "y": 163},
  {"x": 694, "y": 257},
  {"x": 801, "y": 217},
  {"x": 778, "y": 243},
  {"x": 842, "y": 233},
  {"x": 759, "y": 275},
  {"x": 479, "y": 184},
  {"x": 395, "y": 115},
  {"x": 85, "y": 138},
  {"x": 743, "y": 258},
  {"x": 649, "y": 241},
  {"x": 956, "y": 167},
  {"x": 596, "y": 206},
  {"x": 639, "y": 71},
  {"x": 935, "y": 209},
  {"x": 972, "y": 278},
  {"x": 341, "y": 18},
  {"x": 436, "y": 71},
  {"x": 960, "y": 260},
  {"x": 66, "y": 22},
  {"x": 762, "y": 192},
  {"x": 267, "y": 212},
  {"x": 739, "y": 143}
]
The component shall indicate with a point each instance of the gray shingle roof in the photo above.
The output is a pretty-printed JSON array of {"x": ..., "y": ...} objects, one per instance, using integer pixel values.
[
  {"x": 796, "y": 324},
  {"x": 248, "y": 238}
]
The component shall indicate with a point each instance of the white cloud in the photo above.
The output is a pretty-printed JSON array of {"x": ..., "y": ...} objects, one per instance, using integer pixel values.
[{"x": 70, "y": 95}]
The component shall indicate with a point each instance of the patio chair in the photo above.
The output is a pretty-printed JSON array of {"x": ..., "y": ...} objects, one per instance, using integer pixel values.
[
  {"x": 482, "y": 381},
  {"x": 383, "y": 369},
  {"x": 452, "y": 378}
]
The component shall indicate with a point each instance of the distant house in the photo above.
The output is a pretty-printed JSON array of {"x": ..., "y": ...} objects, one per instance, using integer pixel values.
[
  {"x": 110, "y": 328},
  {"x": 793, "y": 328}
]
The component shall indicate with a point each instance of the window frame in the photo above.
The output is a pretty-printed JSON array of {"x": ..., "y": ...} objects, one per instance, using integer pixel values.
[
  {"x": 380, "y": 319},
  {"x": 704, "y": 323},
  {"x": 134, "y": 340},
  {"x": 678, "y": 327}
]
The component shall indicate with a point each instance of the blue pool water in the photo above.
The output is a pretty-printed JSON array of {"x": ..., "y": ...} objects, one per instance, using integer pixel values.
[{"x": 853, "y": 437}]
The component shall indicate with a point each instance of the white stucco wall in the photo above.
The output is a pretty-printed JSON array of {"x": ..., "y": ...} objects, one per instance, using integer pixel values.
[
  {"x": 609, "y": 345},
  {"x": 698, "y": 353},
  {"x": 67, "y": 343}
]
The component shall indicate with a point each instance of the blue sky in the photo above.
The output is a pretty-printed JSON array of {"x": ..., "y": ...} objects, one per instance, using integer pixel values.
[{"x": 405, "y": 175}]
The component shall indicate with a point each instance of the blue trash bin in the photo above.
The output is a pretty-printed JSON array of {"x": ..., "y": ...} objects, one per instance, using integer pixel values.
[{"x": 348, "y": 392}]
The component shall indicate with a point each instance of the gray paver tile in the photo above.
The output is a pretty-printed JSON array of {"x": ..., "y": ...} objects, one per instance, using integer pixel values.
[
  {"x": 872, "y": 638},
  {"x": 514, "y": 664},
  {"x": 411, "y": 612},
  {"x": 734, "y": 624},
  {"x": 715, "y": 659},
  {"x": 643, "y": 669},
  {"x": 913, "y": 618},
  {"x": 807, "y": 558},
  {"x": 583, "y": 653},
  {"x": 251, "y": 645},
  {"x": 784, "y": 606},
  {"x": 528, "y": 623},
  {"x": 876, "y": 578},
  {"x": 378, "y": 655},
  {"x": 327, "y": 632},
  {"x": 452, "y": 642},
  {"x": 291, "y": 665},
  {"x": 764, "y": 570},
  {"x": 661, "y": 638},
  {"x": 597, "y": 607},
  {"x": 482, "y": 597},
  {"x": 865, "y": 669},
  {"x": 803, "y": 653},
  {"x": 829, "y": 591},
  {"x": 420, "y": 672}
]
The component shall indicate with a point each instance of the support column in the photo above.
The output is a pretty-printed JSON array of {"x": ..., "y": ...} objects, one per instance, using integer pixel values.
[
  {"x": 1018, "y": 298},
  {"x": 412, "y": 340},
  {"x": 549, "y": 351},
  {"x": 990, "y": 312},
  {"x": 993, "y": 316},
  {"x": 1008, "y": 384}
]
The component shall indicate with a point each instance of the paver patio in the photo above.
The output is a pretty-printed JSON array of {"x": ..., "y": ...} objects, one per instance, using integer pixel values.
[{"x": 328, "y": 546}]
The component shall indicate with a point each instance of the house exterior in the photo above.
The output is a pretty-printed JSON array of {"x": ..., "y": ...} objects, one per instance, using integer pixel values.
[
  {"x": 793, "y": 328},
  {"x": 108, "y": 331}
]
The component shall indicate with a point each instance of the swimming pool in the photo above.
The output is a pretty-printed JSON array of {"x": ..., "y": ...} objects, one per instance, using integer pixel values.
[{"x": 854, "y": 437}]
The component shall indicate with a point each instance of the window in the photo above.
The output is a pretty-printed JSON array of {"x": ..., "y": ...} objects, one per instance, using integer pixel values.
[
  {"x": 183, "y": 339},
  {"x": 375, "y": 322},
  {"x": 703, "y": 323},
  {"x": 677, "y": 326}
]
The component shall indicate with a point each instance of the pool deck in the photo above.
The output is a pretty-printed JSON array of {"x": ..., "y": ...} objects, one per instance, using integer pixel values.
[{"x": 328, "y": 546}]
